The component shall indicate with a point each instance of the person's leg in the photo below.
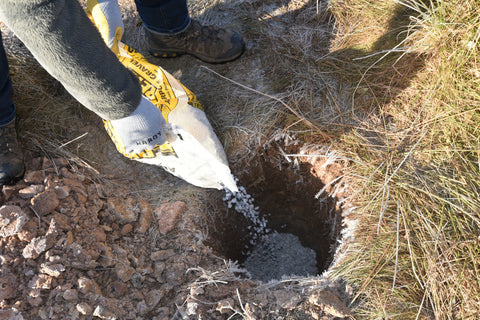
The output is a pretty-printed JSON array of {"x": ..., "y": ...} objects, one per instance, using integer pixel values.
[
  {"x": 7, "y": 108},
  {"x": 170, "y": 32},
  {"x": 164, "y": 16},
  {"x": 11, "y": 155}
]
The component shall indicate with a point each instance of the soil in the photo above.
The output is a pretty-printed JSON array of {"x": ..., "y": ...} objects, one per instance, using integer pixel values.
[{"x": 71, "y": 249}]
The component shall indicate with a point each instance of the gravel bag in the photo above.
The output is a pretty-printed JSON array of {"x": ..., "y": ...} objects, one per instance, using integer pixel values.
[{"x": 192, "y": 152}]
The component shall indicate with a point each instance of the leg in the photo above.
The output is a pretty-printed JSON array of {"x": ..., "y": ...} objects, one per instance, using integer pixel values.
[
  {"x": 164, "y": 16},
  {"x": 11, "y": 156},
  {"x": 170, "y": 32},
  {"x": 7, "y": 108}
]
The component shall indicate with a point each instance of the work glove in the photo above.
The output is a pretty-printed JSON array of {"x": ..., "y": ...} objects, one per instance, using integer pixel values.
[
  {"x": 108, "y": 20},
  {"x": 141, "y": 134}
]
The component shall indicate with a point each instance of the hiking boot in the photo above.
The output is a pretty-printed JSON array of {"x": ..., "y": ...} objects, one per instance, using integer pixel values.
[
  {"x": 11, "y": 155},
  {"x": 207, "y": 43}
]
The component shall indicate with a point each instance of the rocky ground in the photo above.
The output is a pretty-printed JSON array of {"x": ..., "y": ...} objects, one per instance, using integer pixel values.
[{"x": 69, "y": 249}]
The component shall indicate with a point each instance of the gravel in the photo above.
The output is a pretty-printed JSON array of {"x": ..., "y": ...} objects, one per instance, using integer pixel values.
[{"x": 278, "y": 256}]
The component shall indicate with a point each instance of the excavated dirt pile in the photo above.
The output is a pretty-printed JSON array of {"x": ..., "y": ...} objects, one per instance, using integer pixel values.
[{"x": 70, "y": 249}]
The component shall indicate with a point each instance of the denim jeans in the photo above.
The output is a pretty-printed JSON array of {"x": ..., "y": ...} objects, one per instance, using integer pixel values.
[
  {"x": 7, "y": 108},
  {"x": 164, "y": 16}
]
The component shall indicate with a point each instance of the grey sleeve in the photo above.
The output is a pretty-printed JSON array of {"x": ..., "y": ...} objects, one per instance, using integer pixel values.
[{"x": 64, "y": 41}]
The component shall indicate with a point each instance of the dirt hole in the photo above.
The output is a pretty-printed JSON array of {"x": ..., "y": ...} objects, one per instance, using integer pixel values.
[{"x": 285, "y": 193}]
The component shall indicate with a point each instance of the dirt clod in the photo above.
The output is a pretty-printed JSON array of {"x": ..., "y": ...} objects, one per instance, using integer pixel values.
[
  {"x": 329, "y": 303},
  {"x": 168, "y": 214},
  {"x": 12, "y": 219},
  {"x": 45, "y": 202}
]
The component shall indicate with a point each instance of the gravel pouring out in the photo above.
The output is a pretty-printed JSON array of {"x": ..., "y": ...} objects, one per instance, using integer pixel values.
[{"x": 270, "y": 255}]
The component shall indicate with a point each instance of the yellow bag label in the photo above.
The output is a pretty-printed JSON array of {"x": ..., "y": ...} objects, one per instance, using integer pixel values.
[
  {"x": 155, "y": 83},
  {"x": 162, "y": 89}
]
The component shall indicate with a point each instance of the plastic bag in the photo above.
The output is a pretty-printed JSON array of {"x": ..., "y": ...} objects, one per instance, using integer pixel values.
[{"x": 193, "y": 151}]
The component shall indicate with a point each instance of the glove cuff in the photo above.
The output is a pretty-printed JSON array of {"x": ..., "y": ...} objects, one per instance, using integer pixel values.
[{"x": 140, "y": 131}]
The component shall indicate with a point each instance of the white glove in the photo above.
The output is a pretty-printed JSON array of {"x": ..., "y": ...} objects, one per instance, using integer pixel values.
[
  {"x": 141, "y": 134},
  {"x": 108, "y": 19}
]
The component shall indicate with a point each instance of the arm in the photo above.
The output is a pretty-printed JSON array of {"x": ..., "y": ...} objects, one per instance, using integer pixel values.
[{"x": 65, "y": 42}]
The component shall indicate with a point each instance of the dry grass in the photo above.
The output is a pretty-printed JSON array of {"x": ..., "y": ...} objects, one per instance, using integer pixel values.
[{"x": 416, "y": 254}]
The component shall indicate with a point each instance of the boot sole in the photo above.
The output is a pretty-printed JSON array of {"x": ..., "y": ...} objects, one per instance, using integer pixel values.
[{"x": 174, "y": 54}]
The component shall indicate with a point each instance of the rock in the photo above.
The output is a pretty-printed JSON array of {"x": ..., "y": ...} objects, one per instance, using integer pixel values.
[
  {"x": 35, "y": 248},
  {"x": 12, "y": 219},
  {"x": 103, "y": 313},
  {"x": 286, "y": 299},
  {"x": 175, "y": 274},
  {"x": 44, "y": 203},
  {"x": 99, "y": 235},
  {"x": 162, "y": 313},
  {"x": 84, "y": 285},
  {"x": 8, "y": 284},
  {"x": 62, "y": 191},
  {"x": 34, "y": 177},
  {"x": 80, "y": 198},
  {"x": 329, "y": 303},
  {"x": 72, "y": 183},
  {"x": 278, "y": 255},
  {"x": 9, "y": 191},
  {"x": 159, "y": 268},
  {"x": 146, "y": 217},
  {"x": 84, "y": 308},
  {"x": 54, "y": 163},
  {"x": 4, "y": 259},
  {"x": 29, "y": 231},
  {"x": 162, "y": 255},
  {"x": 30, "y": 191},
  {"x": 126, "y": 229},
  {"x": 191, "y": 308},
  {"x": 142, "y": 308},
  {"x": 168, "y": 214},
  {"x": 53, "y": 270},
  {"x": 70, "y": 295},
  {"x": 153, "y": 298},
  {"x": 11, "y": 314},
  {"x": 41, "y": 281},
  {"x": 52, "y": 232},
  {"x": 35, "y": 302},
  {"x": 125, "y": 210},
  {"x": 34, "y": 293},
  {"x": 120, "y": 288},
  {"x": 124, "y": 272},
  {"x": 63, "y": 221}
]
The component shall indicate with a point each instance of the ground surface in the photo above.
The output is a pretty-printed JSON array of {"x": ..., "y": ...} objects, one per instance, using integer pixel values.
[
  {"x": 94, "y": 235},
  {"x": 70, "y": 250}
]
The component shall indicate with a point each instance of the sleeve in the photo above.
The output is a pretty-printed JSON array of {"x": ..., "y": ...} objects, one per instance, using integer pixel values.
[{"x": 64, "y": 41}]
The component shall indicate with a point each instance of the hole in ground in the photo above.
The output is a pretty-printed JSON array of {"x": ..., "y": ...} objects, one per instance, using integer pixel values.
[{"x": 285, "y": 193}]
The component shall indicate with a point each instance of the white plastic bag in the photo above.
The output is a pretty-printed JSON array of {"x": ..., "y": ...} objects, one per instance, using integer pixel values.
[{"x": 193, "y": 151}]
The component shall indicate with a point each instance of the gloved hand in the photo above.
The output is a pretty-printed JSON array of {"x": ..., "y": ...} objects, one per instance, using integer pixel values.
[
  {"x": 108, "y": 19},
  {"x": 141, "y": 134}
]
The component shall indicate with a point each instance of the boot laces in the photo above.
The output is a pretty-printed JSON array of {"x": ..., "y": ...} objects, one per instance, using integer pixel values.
[{"x": 207, "y": 34}]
